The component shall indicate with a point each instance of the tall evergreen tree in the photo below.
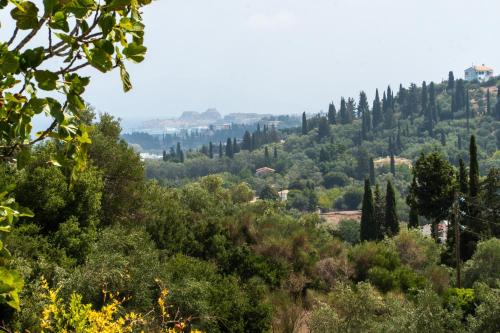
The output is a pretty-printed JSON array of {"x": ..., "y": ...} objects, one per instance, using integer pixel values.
[
  {"x": 229, "y": 148},
  {"x": 393, "y": 164},
  {"x": 304, "y": 123},
  {"x": 246, "y": 143},
  {"x": 178, "y": 151},
  {"x": 451, "y": 82},
  {"x": 181, "y": 157},
  {"x": 459, "y": 141},
  {"x": 467, "y": 110},
  {"x": 275, "y": 153},
  {"x": 413, "y": 218},
  {"x": 459, "y": 94},
  {"x": 379, "y": 212},
  {"x": 424, "y": 99},
  {"x": 363, "y": 106},
  {"x": 332, "y": 114},
  {"x": 220, "y": 150},
  {"x": 473, "y": 168},
  {"x": 236, "y": 147},
  {"x": 372, "y": 171},
  {"x": 368, "y": 229},
  {"x": 432, "y": 102},
  {"x": 267, "y": 158},
  {"x": 412, "y": 108},
  {"x": 462, "y": 178},
  {"x": 391, "y": 221},
  {"x": 377, "y": 111},
  {"x": 211, "y": 150},
  {"x": 350, "y": 110},
  {"x": 165, "y": 157}
]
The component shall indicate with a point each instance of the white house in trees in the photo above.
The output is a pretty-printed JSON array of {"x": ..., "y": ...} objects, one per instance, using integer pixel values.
[{"x": 480, "y": 73}]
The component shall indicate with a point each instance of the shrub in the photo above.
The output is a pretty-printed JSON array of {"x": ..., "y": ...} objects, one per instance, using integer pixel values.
[
  {"x": 349, "y": 231},
  {"x": 484, "y": 266}
]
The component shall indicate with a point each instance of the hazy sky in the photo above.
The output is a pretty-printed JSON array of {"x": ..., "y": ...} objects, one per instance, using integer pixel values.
[{"x": 287, "y": 56}]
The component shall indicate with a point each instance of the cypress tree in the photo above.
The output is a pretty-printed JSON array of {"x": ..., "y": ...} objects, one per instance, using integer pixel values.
[
  {"x": 350, "y": 110},
  {"x": 372, "y": 171},
  {"x": 236, "y": 146},
  {"x": 345, "y": 113},
  {"x": 210, "y": 150},
  {"x": 275, "y": 153},
  {"x": 413, "y": 218},
  {"x": 266, "y": 155},
  {"x": 377, "y": 111},
  {"x": 246, "y": 143},
  {"x": 332, "y": 114},
  {"x": 181, "y": 157},
  {"x": 462, "y": 178},
  {"x": 412, "y": 101},
  {"x": 304, "y": 123},
  {"x": 368, "y": 229},
  {"x": 229, "y": 148},
  {"x": 451, "y": 82},
  {"x": 220, "y": 149},
  {"x": 363, "y": 104},
  {"x": 165, "y": 157},
  {"x": 393, "y": 164},
  {"x": 473, "y": 168},
  {"x": 459, "y": 95},
  {"x": 424, "y": 99},
  {"x": 467, "y": 110},
  {"x": 178, "y": 151},
  {"x": 379, "y": 211},
  {"x": 432, "y": 102},
  {"x": 391, "y": 221}
]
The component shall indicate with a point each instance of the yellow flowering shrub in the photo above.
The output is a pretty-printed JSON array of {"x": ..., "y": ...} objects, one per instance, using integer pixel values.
[{"x": 57, "y": 316}]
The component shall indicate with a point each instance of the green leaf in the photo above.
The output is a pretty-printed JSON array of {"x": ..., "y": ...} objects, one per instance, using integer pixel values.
[
  {"x": 125, "y": 78},
  {"x": 9, "y": 63},
  {"x": 26, "y": 15},
  {"x": 135, "y": 52},
  {"x": 106, "y": 45},
  {"x": 106, "y": 23},
  {"x": 50, "y": 6},
  {"x": 118, "y": 4},
  {"x": 46, "y": 80},
  {"x": 59, "y": 21},
  {"x": 80, "y": 8},
  {"x": 100, "y": 59},
  {"x": 55, "y": 109},
  {"x": 31, "y": 58}
]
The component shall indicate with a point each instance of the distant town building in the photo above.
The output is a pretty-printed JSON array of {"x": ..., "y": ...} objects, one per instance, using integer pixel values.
[
  {"x": 480, "y": 73},
  {"x": 263, "y": 171},
  {"x": 283, "y": 195}
]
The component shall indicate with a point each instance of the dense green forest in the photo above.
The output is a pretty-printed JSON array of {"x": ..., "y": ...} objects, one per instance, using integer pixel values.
[{"x": 92, "y": 239}]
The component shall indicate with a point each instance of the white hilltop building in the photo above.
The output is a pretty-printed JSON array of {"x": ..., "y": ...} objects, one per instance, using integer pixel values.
[{"x": 480, "y": 73}]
